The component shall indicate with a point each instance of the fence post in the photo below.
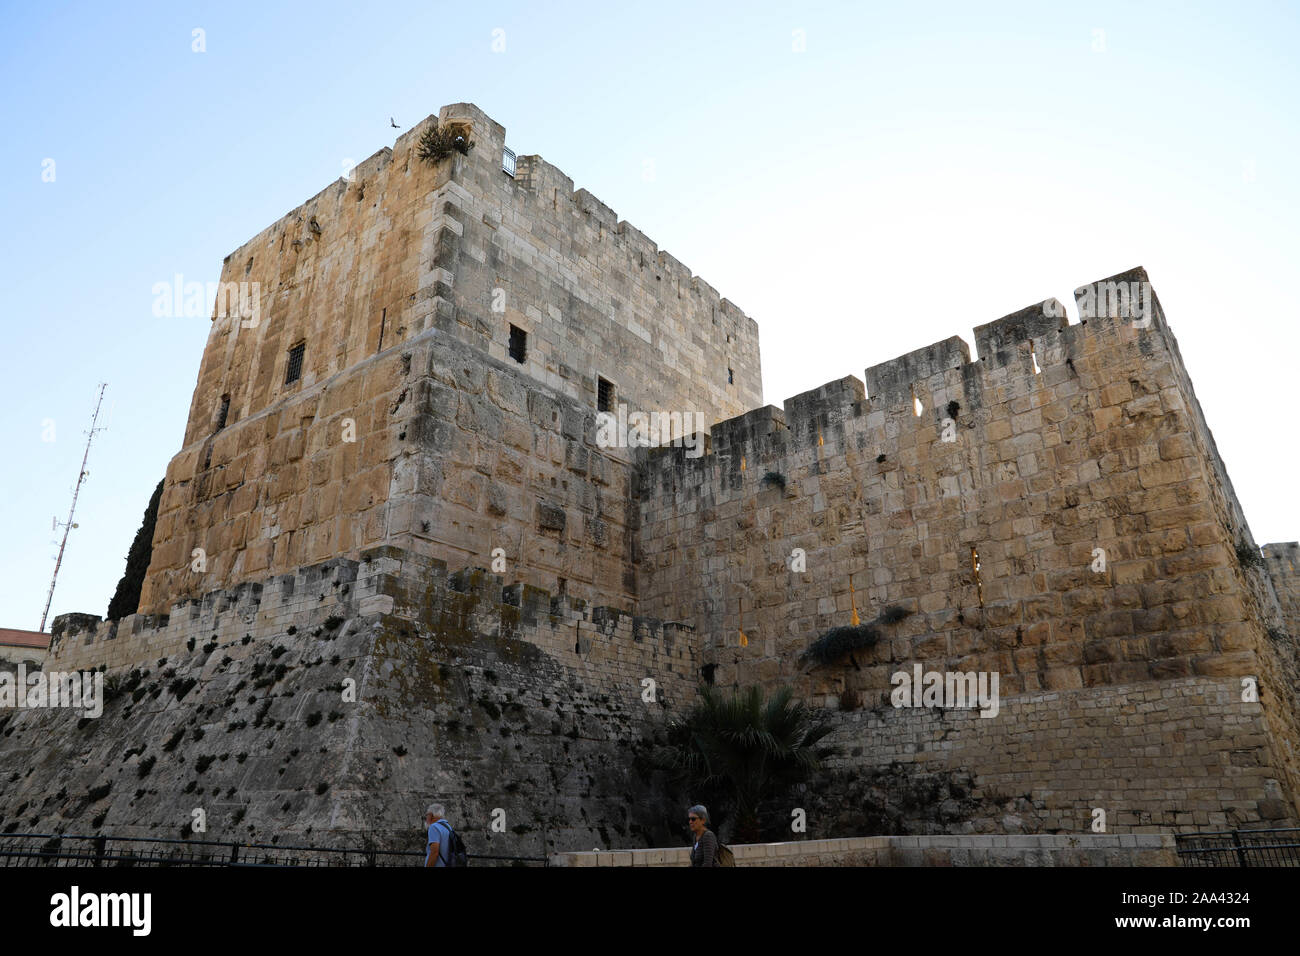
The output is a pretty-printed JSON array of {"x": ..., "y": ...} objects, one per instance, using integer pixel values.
[
  {"x": 100, "y": 843},
  {"x": 234, "y": 854},
  {"x": 1241, "y": 852}
]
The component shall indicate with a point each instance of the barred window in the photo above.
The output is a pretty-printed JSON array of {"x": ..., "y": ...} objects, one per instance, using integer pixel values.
[
  {"x": 294, "y": 370},
  {"x": 518, "y": 344},
  {"x": 604, "y": 395}
]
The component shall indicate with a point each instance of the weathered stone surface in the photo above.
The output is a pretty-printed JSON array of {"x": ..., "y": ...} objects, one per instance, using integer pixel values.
[
  {"x": 405, "y": 295},
  {"x": 1053, "y": 511},
  {"x": 459, "y": 701}
]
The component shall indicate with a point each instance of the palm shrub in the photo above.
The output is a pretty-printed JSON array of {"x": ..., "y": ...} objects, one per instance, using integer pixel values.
[
  {"x": 747, "y": 748},
  {"x": 437, "y": 143}
]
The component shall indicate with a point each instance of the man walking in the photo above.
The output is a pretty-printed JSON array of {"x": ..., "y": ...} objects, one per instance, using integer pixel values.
[{"x": 438, "y": 851}]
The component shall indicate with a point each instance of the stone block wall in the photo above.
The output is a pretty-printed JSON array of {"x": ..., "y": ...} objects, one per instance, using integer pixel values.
[
  {"x": 1180, "y": 754},
  {"x": 1065, "y": 439},
  {"x": 486, "y": 696},
  {"x": 267, "y": 478},
  {"x": 596, "y": 297},
  {"x": 1053, "y": 511},
  {"x": 1283, "y": 563},
  {"x": 433, "y": 447},
  {"x": 614, "y": 651},
  {"x": 254, "y": 610},
  {"x": 520, "y": 713}
]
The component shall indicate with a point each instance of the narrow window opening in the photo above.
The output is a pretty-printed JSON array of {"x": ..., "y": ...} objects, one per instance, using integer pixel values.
[
  {"x": 294, "y": 370},
  {"x": 975, "y": 570},
  {"x": 917, "y": 407},
  {"x": 518, "y": 344},
  {"x": 731, "y": 377},
  {"x": 383, "y": 319},
  {"x": 225, "y": 411},
  {"x": 604, "y": 395},
  {"x": 1034, "y": 358}
]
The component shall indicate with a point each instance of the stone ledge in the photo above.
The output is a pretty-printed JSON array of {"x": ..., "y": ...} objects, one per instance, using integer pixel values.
[{"x": 1045, "y": 849}]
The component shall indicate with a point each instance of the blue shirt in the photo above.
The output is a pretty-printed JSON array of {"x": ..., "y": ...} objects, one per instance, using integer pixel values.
[{"x": 439, "y": 833}]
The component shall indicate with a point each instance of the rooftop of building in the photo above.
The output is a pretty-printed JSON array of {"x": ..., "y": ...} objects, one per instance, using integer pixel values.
[{"x": 10, "y": 637}]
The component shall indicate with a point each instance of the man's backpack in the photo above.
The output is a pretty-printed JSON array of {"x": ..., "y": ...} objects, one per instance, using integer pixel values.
[
  {"x": 724, "y": 856},
  {"x": 456, "y": 855}
]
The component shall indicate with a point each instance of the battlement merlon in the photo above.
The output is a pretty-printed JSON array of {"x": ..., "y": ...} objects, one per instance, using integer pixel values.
[
  {"x": 1124, "y": 297},
  {"x": 538, "y": 176},
  {"x": 532, "y": 171},
  {"x": 1284, "y": 554},
  {"x": 1282, "y": 562},
  {"x": 490, "y": 141},
  {"x": 468, "y": 249},
  {"x": 816, "y": 414},
  {"x": 994, "y": 339},
  {"x": 892, "y": 381},
  {"x": 385, "y": 581},
  {"x": 485, "y": 129},
  {"x": 810, "y": 414}
]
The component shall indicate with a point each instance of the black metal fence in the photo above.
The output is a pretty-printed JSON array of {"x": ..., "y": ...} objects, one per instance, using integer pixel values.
[
  {"x": 1279, "y": 847},
  {"x": 59, "y": 849}
]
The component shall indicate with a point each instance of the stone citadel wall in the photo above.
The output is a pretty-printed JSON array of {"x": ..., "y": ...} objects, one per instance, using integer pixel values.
[
  {"x": 974, "y": 497},
  {"x": 1120, "y": 689},
  {"x": 454, "y": 455},
  {"x": 360, "y": 272},
  {"x": 612, "y": 649},
  {"x": 491, "y": 699},
  {"x": 1066, "y": 439},
  {"x": 1283, "y": 563}
]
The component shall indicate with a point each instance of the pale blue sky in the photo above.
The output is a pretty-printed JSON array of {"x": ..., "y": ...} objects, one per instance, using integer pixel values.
[{"x": 915, "y": 171}]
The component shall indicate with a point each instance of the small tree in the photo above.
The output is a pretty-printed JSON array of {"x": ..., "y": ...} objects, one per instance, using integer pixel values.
[
  {"x": 437, "y": 143},
  {"x": 746, "y": 747},
  {"x": 126, "y": 599}
]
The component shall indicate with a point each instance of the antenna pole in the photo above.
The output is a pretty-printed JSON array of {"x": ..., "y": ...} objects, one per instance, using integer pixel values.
[{"x": 81, "y": 476}]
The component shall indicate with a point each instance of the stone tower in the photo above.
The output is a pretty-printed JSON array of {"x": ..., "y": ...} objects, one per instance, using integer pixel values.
[
  {"x": 394, "y": 473},
  {"x": 356, "y": 407}
]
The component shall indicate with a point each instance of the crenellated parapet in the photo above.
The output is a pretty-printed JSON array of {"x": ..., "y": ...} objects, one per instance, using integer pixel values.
[
  {"x": 1050, "y": 510},
  {"x": 609, "y": 646},
  {"x": 1016, "y": 354},
  {"x": 975, "y": 492},
  {"x": 1282, "y": 561}
]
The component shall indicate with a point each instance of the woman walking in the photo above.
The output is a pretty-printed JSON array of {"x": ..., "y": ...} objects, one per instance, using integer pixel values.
[{"x": 705, "y": 850}]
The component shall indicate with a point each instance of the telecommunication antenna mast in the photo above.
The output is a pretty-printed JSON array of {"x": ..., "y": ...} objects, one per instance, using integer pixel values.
[{"x": 68, "y": 525}]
